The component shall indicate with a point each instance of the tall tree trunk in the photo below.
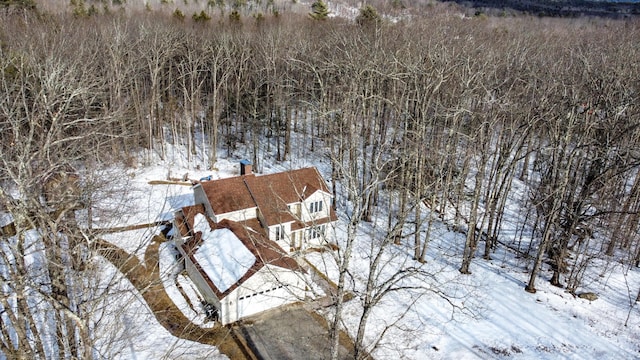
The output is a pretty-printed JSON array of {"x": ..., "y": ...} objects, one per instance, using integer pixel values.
[
  {"x": 472, "y": 232},
  {"x": 542, "y": 249}
]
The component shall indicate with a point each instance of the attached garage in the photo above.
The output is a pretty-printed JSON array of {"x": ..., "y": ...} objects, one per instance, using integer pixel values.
[
  {"x": 237, "y": 270},
  {"x": 263, "y": 300}
]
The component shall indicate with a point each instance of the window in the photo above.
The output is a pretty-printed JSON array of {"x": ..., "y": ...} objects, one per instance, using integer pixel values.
[
  {"x": 315, "y": 206},
  {"x": 279, "y": 232},
  {"x": 316, "y": 231}
]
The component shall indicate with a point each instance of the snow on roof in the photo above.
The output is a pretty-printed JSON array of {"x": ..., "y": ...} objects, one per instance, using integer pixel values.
[
  {"x": 222, "y": 256},
  {"x": 200, "y": 223}
]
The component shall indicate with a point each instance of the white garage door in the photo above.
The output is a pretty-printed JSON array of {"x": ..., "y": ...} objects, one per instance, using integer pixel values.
[{"x": 264, "y": 300}]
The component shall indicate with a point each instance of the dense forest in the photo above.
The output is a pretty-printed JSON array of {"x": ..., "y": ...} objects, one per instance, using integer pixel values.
[{"x": 454, "y": 113}]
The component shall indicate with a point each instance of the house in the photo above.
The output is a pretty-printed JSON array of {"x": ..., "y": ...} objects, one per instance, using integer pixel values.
[
  {"x": 292, "y": 208},
  {"x": 237, "y": 270}
]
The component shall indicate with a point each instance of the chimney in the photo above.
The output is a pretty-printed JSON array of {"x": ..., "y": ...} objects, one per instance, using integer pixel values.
[{"x": 245, "y": 167}]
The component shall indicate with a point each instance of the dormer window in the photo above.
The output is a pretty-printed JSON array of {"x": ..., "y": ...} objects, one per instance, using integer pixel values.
[{"x": 315, "y": 206}]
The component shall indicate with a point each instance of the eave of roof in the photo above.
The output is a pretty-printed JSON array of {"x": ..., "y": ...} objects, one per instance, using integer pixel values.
[{"x": 299, "y": 225}]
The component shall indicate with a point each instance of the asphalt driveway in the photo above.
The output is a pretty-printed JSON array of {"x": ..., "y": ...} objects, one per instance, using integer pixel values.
[{"x": 291, "y": 333}]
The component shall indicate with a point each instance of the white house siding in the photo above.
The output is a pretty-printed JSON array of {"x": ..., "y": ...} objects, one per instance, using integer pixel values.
[
  {"x": 200, "y": 197},
  {"x": 285, "y": 243},
  {"x": 325, "y": 198},
  {"x": 330, "y": 235},
  {"x": 285, "y": 236},
  {"x": 301, "y": 239},
  {"x": 269, "y": 288},
  {"x": 323, "y": 234},
  {"x": 202, "y": 285},
  {"x": 297, "y": 239}
]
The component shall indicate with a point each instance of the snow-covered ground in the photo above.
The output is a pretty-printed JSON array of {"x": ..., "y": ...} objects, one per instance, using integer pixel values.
[
  {"x": 138, "y": 202},
  {"x": 129, "y": 330},
  {"x": 486, "y": 314},
  {"x": 491, "y": 316}
]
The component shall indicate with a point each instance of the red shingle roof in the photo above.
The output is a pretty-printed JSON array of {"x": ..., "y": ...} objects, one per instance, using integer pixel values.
[
  {"x": 227, "y": 195},
  {"x": 270, "y": 193}
]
